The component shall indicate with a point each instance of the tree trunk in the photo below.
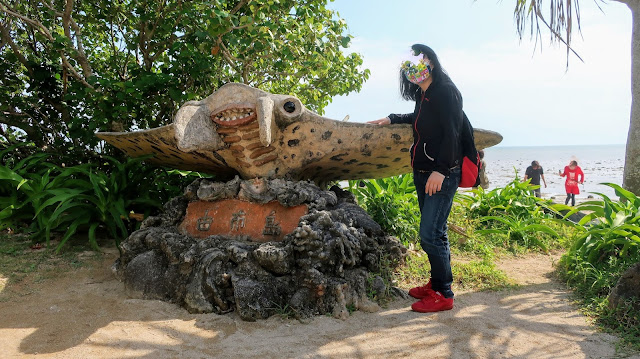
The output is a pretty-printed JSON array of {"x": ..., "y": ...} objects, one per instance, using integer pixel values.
[{"x": 631, "y": 180}]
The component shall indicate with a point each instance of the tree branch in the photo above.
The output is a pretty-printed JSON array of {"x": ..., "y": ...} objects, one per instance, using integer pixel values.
[
  {"x": 10, "y": 118},
  {"x": 239, "y": 6},
  {"x": 43, "y": 30},
  {"x": 6, "y": 37},
  {"x": 162, "y": 46},
  {"x": 68, "y": 24},
  {"x": 226, "y": 54}
]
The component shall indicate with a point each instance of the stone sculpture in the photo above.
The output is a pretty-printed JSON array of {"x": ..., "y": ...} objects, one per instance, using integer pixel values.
[
  {"x": 245, "y": 131},
  {"x": 264, "y": 237}
]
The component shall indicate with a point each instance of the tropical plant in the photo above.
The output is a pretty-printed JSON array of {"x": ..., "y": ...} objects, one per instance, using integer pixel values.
[
  {"x": 519, "y": 230},
  {"x": 39, "y": 197},
  {"x": 514, "y": 199},
  {"x": 606, "y": 243},
  {"x": 611, "y": 228},
  {"x": 71, "y": 68},
  {"x": 25, "y": 179},
  {"x": 392, "y": 203}
]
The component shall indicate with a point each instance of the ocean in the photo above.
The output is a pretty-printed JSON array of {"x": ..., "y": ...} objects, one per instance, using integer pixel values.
[{"x": 601, "y": 163}]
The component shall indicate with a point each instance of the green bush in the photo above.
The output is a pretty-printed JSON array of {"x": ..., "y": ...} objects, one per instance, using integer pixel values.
[
  {"x": 610, "y": 229},
  {"x": 392, "y": 202},
  {"x": 38, "y": 197},
  {"x": 512, "y": 214},
  {"x": 606, "y": 243},
  {"x": 521, "y": 231},
  {"x": 514, "y": 199}
]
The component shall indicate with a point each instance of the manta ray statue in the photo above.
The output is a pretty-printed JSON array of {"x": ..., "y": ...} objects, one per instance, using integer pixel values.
[{"x": 240, "y": 130}]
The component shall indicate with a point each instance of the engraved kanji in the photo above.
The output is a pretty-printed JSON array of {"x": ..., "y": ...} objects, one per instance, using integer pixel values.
[
  {"x": 271, "y": 227},
  {"x": 204, "y": 223},
  {"x": 237, "y": 220}
]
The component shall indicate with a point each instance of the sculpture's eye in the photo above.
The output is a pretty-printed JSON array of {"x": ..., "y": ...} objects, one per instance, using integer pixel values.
[{"x": 289, "y": 106}]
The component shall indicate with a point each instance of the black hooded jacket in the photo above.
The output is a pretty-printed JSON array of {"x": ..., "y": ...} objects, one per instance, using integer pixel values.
[{"x": 437, "y": 124}]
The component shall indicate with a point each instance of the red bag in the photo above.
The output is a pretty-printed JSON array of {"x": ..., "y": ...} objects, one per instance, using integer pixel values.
[{"x": 470, "y": 167}]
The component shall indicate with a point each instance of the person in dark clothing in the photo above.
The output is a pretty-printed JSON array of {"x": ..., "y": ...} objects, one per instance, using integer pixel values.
[
  {"x": 535, "y": 172},
  {"x": 437, "y": 122},
  {"x": 482, "y": 171}
]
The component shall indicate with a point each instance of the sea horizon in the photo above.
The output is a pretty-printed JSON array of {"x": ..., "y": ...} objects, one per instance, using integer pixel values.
[
  {"x": 584, "y": 145},
  {"x": 600, "y": 163}
]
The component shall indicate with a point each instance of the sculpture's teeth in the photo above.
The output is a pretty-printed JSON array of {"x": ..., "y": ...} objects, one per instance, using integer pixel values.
[{"x": 234, "y": 116}]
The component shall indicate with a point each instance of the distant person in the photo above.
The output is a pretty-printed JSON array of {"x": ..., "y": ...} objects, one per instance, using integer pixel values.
[
  {"x": 484, "y": 180},
  {"x": 574, "y": 175},
  {"x": 535, "y": 172}
]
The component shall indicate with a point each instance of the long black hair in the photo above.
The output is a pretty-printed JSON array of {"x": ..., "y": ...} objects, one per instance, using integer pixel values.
[{"x": 410, "y": 91}]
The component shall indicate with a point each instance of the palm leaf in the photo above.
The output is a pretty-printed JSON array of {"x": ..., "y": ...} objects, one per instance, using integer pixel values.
[{"x": 621, "y": 192}]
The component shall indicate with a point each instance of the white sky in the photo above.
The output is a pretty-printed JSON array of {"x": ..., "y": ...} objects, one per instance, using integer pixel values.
[{"x": 509, "y": 86}]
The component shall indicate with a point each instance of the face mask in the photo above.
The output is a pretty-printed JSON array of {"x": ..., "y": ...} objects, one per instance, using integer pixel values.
[{"x": 416, "y": 69}]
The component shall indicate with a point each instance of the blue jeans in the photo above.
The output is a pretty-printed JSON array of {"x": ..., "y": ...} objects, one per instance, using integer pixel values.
[{"x": 434, "y": 211}]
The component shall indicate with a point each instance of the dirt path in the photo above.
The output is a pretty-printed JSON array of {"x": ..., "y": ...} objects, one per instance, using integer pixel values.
[{"x": 86, "y": 314}]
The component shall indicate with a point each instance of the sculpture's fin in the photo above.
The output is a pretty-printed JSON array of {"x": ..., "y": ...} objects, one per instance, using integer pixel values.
[{"x": 161, "y": 143}]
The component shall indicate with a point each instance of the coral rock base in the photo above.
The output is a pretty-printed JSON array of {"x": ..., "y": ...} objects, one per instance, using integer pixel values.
[{"x": 324, "y": 266}]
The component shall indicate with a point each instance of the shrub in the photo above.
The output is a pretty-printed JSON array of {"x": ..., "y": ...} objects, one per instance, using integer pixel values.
[
  {"x": 512, "y": 214},
  {"x": 39, "y": 197},
  {"x": 606, "y": 243},
  {"x": 514, "y": 199},
  {"x": 392, "y": 202},
  {"x": 610, "y": 229}
]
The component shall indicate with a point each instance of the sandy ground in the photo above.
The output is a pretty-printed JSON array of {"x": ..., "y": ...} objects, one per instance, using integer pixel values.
[{"x": 86, "y": 314}]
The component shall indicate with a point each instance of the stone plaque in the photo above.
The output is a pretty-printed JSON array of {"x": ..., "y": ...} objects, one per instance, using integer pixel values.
[{"x": 232, "y": 217}]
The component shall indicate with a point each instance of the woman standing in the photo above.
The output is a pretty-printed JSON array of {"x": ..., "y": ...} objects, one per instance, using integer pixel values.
[
  {"x": 574, "y": 175},
  {"x": 437, "y": 122}
]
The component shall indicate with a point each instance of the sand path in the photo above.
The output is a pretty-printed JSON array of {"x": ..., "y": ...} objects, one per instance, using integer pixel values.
[{"x": 86, "y": 314}]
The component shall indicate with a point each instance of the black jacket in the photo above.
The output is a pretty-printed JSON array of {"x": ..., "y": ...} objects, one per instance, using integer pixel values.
[{"x": 437, "y": 124}]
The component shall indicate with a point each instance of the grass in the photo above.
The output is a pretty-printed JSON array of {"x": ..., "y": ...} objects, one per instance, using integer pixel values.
[
  {"x": 473, "y": 254},
  {"x": 591, "y": 287},
  {"x": 25, "y": 263},
  {"x": 469, "y": 273},
  {"x": 481, "y": 275}
]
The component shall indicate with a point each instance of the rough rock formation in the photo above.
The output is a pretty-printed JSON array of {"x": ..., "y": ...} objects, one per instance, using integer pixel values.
[
  {"x": 323, "y": 267},
  {"x": 628, "y": 286}
]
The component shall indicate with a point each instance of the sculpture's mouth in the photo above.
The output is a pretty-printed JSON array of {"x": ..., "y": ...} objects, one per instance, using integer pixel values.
[{"x": 234, "y": 116}]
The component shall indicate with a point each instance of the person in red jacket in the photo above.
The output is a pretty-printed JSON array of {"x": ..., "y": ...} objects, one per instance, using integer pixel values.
[{"x": 574, "y": 175}]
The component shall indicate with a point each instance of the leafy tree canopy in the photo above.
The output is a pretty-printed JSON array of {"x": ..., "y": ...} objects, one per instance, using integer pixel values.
[{"x": 70, "y": 67}]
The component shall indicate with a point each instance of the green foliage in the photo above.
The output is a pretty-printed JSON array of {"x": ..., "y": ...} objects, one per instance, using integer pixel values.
[
  {"x": 592, "y": 284},
  {"x": 477, "y": 274},
  {"x": 611, "y": 229},
  {"x": 519, "y": 230},
  {"x": 71, "y": 69},
  {"x": 514, "y": 199},
  {"x": 45, "y": 197},
  {"x": 606, "y": 243},
  {"x": 625, "y": 319},
  {"x": 284, "y": 312},
  {"x": 513, "y": 214},
  {"x": 385, "y": 273},
  {"x": 392, "y": 203},
  {"x": 481, "y": 275}
]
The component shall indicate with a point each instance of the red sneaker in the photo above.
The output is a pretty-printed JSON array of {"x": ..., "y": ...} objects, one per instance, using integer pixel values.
[
  {"x": 433, "y": 302},
  {"x": 420, "y": 292}
]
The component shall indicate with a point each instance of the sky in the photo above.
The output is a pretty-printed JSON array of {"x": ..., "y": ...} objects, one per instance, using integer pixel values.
[{"x": 519, "y": 88}]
